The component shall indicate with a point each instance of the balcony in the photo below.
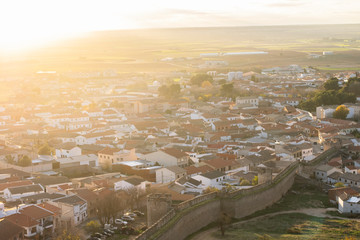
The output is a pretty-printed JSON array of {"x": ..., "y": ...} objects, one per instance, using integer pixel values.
[
  {"x": 48, "y": 224},
  {"x": 30, "y": 234}
]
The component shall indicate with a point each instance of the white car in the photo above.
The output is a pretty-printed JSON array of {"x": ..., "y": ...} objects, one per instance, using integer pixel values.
[{"x": 120, "y": 222}]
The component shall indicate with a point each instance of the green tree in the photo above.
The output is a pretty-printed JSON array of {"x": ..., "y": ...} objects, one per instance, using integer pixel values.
[
  {"x": 339, "y": 185},
  {"x": 255, "y": 181},
  {"x": 198, "y": 79},
  {"x": 170, "y": 92},
  {"x": 227, "y": 90},
  {"x": 331, "y": 84},
  {"x": 45, "y": 150},
  {"x": 245, "y": 183},
  {"x": 9, "y": 159},
  {"x": 341, "y": 112},
  {"x": 210, "y": 190},
  {"x": 24, "y": 161}
]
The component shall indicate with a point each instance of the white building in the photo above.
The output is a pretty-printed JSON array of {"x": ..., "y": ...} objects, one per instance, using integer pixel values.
[
  {"x": 234, "y": 76},
  {"x": 67, "y": 150},
  {"x": 348, "y": 204},
  {"x": 14, "y": 193},
  {"x": 90, "y": 159},
  {"x": 132, "y": 182},
  {"x": 73, "y": 209},
  {"x": 253, "y": 101},
  {"x": 169, "y": 174},
  {"x": 211, "y": 179}
]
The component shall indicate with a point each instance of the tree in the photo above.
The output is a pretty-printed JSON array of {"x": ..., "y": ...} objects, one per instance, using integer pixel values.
[
  {"x": 245, "y": 183},
  {"x": 339, "y": 184},
  {"x": 331, "y": 84},
  {"x": 68, "y": 235},
  {"x": 200, "y": 78},
  {"x": 10, "y": 159},
  {"x": 93, "y": 226},
  {"x": 224, "y": 221},
  {"x": 24, "y": 161},
  {"x": 108, "y": 208},
  {"x": 255, "y": 181},
  {"x": 206, "y": 84},
  {"x": 45, "y": 150},
  {"x": 341, "y": 112},
  {"x": 227, "y": 90},
  {"x": 210, "y": 190},
  {"x": 134, "y": 195},
  {"x": 170, "y": 92}
]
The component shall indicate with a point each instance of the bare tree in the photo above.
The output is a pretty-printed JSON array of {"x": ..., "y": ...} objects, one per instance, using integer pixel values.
[
  {"x": 108, "y": 208},
  {"x": 224, "y": 221}
]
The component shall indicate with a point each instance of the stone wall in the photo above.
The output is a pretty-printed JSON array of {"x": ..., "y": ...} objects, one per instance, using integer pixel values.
[
  {"x": 29, "y": 169},
  {"x": 196, "y": 213}
]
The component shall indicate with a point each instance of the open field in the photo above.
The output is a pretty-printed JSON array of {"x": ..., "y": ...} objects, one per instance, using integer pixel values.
[
  {"x": 128, "y": 51},
  {"x": 293, "y": 226},
  {"x": 303, "y": 213}
]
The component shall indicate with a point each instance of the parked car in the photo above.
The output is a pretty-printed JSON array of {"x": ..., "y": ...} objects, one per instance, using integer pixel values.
[
  {"x": 130, "y": 214},
  {"x": 109, "y": 231},
  {"x": 98, "y": 235},
  {"x": 128, "y": 218},
  {"x": 138, "y": 213},
  {"x": 120, "y": 221},
  {"x": 106, "y": 234}
]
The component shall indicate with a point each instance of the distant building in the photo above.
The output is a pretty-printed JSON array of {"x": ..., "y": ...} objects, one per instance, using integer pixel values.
[
  {"x": 234, "y": 76},
  {"x": 252, "y": 101},
  {"x": 169, "y": 174}
]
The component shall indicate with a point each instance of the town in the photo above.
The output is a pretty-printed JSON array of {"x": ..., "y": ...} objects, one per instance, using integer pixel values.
[{"x": 100, "y": 154}]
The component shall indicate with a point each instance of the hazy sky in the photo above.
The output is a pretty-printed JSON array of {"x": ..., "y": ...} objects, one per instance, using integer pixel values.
[{"x": 27, "y": 22}]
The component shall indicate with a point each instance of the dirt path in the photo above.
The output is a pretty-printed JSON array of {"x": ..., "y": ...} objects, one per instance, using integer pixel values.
[{"x": 316, "y": 212}]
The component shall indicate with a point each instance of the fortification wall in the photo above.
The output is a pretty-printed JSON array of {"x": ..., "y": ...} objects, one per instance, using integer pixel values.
[
  {"x": 194, "y": 220},
  {"x": 247, "y": 204},
  {"x": 194, "y": 214}
]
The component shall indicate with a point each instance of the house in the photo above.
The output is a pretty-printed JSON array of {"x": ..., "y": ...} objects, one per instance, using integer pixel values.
[
  {"x": 169, "y": 174},
  {"x": 336, "y": 192},
  {"x": 110, "y": 156},
  {"x": 67, "y": 150},
  {"x": 30, "y": 226},
  {"x": 193, "y": 171},
  {"x": 40, "y": 198},
  {"x": 244, "y": 101},
  {"x": 351, "y": 169},
  {"x": 14, "y": 193},
  {"x": 350, "y": 179},
  {"x": 168, "y": 157},
  {"x": 323, "y": 171},
  {"x": 191, "y": 185},
  {"x": 222, "y": 165},
  {"x": 132, "y": 182},
  {"x": 211, "y": 179},
  {"x": 90, "y": 197},
  {"x": 73, "y": 210},
  {"x": 348, "y": 203},
  {"x": 51, "y": 181},
  {"x": 334, "y": 177},
  {"x": 3, "y": 186},
  {"x": 10, "y": 230},
  {"x": 74, "y": 161},
  {"x": 44, "y": 217}
]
